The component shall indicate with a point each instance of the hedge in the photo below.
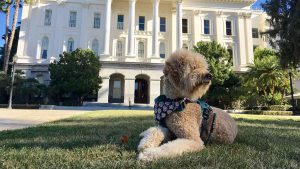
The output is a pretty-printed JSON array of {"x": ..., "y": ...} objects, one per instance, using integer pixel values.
[
  {"x": 260, "y": 112},
  {"x": 280, "y": 107}
]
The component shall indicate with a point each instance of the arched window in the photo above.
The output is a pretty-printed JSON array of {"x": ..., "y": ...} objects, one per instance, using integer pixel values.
[
  {"x": 141, "y": 50},
  {"x": 95, "y": 46},
  {"x": 70, "y": 46},
  {"x": 44, "y": 47},
  {"x": 119, "y": 48},
  {"x": 162, "y": 50}
]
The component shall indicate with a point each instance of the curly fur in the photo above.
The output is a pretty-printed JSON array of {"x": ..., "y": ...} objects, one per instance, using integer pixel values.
[{"x": 185, "y": 76}]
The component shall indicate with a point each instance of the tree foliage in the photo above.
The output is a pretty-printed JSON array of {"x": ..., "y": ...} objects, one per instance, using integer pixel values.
[
  {"x": 285, "y": 29},
  {"x": 76, "y": 74},
  {"x": 266, "y": 82},
  {"x": 225, "y": 88}
]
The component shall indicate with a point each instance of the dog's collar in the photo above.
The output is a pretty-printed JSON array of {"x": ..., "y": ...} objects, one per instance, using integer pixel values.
[{"x": 164, "y": 106}]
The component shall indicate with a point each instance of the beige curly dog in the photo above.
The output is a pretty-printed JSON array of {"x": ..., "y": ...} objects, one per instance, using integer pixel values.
[{"x": 186, "y": 76}]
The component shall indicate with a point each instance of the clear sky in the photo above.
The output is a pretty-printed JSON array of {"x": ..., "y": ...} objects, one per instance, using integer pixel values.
[{"x": 2, "y": 19}]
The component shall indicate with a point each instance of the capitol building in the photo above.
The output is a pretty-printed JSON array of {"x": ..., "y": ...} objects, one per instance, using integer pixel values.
[{"x": 134, "y": 37}]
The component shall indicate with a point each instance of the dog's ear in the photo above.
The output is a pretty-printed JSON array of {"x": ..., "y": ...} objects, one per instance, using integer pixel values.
[{"x": 168, "y": 68}]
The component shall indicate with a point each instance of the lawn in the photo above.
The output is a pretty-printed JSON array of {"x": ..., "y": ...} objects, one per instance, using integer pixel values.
[{"x": 92, "y": 140}]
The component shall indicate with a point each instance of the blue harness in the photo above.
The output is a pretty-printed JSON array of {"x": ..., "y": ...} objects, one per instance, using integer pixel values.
[{"x": 164, "y": 106}]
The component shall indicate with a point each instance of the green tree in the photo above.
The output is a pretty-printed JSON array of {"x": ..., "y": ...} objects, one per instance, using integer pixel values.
[
  {"x": 225, "y": 88},
  {"x": 284, "y": 32},
  {"x": 12, "y": 35},
  {"x": 13, "y": 49},
  {"x": 266, "y": 80},
  {"x": 29, "y": 91},
  {"x": 76, "y": 74}
]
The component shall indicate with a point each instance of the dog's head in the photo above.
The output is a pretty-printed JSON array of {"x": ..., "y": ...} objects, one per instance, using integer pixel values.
[{"x": 186, "y": 75}]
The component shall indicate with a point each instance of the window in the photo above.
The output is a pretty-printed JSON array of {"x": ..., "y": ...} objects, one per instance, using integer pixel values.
[
  {"x": 228, "y": 28},
  {"x": 44, "y": 47},
  {"x": 254, "y": 32},
  {"x": 206, "y": 26},
  {"x": 70, "y": 46},
  {"x": 185, "y": 46},
  {"x": 184, "y": 26},
  {"x": 95, "y": 46},
  {"x": 162, "y": 50},
  {"x": 48, "y": 16},
  {"x": 119, "y": 48},
  {"x": 162, "y": 24},
  {"x": 72, "y": 21},
  {"x": 141, "y": 23},
  {"x": 120, "y": 23},
  {"x": 97, "y": 19},
  {"x": 141, "y": 50},
  {"x": 117, "y": 93}
]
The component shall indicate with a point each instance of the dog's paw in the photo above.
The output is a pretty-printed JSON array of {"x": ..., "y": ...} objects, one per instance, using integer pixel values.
[{"x": 149, "y": 154}]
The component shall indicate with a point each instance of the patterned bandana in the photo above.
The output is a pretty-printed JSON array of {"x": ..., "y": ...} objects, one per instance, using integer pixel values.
[{"x": 164, "y": 106}]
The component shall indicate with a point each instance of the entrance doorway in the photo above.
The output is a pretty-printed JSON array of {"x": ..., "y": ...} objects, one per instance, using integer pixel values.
[{"x": 141, "y": 91}]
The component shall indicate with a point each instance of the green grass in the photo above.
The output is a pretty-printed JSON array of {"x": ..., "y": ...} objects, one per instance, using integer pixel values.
[{"x": 93, "y": 141}]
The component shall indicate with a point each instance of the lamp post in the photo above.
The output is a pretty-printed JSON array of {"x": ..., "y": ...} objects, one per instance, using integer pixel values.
[
  {"x": 292, "y": 92},
  {"x": 12, "y": 83}
]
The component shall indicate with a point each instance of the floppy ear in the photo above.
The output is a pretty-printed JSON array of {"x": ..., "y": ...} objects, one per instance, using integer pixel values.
[{"x": 167, "y": 69}]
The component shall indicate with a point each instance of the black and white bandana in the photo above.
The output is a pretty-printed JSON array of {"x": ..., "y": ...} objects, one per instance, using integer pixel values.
[{"x": 164, "y": 106}]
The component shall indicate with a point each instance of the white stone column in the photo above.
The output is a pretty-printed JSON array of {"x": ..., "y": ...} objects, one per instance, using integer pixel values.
[
  {"x": 249, "y": 40},
  {"x": 179, "y": 23},
  {"x": 104, "y": 91},
  {"x": 129, "y": 91},
  {"x": 107, "y": 28},
  {"x": 219, "y": 27},
  {"x": 242, "y": 59},
  {"x": 155, "y": 28},
  {"x": 131, "y": 28},
  {"x": 195, "y": 29},
  {"x": 154, "y": 90}
]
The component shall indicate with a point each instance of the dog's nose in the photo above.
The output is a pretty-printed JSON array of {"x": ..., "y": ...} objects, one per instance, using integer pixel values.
[{"x": 208, "y": 76}]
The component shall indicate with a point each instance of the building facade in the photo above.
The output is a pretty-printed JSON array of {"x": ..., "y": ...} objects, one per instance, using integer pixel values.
[{"x": 134, "y": 37}]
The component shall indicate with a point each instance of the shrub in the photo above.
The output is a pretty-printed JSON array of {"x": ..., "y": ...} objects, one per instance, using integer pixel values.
[
  {"x": 280, "y": 107},
  {"x": 260, "y": 112}
]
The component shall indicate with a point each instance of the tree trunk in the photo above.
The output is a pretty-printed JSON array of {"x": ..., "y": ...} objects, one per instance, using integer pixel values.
[
  {"x": 12, "y": 35},
  {"x": 6, "y": 38}
]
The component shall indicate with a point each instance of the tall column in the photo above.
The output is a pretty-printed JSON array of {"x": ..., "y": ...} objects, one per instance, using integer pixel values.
[
  {"x": 155, "y": 90},
  {"x": 155, "y": 28},
  {"x": 195, "y": 29},
  {"x": 219, "y": 27},
  {"x": 131, "y": 28},
  {"x": 129, "y": 91},
  {"x": 107, "y": 28},
  {"x": 104, "y": 91},
  {"x": 179, "y": 23},
  {"x": 249, "y": 40},
  {"x": 242, "y": 59}
]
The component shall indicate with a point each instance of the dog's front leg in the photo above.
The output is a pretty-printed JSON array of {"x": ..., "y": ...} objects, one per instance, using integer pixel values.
[
  {"x": 153, "y": 137},
  {"x": 171, "y": 149}
]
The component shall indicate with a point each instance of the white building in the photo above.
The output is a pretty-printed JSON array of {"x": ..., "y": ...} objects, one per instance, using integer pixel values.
[{"x": 133, "y": 38}]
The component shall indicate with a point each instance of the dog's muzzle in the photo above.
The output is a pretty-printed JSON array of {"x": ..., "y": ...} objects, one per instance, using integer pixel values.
[{"x": 205, "y": 80}]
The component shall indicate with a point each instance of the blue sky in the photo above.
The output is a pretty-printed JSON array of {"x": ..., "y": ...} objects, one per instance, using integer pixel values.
[{"x": 2, "y": 19}]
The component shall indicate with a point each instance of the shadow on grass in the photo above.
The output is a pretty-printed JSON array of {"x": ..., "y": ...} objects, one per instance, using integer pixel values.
[
  {"x": 265, "y": 135},
  {"x": 278, "y": 123},
  {"x": 76, "y": 133}
]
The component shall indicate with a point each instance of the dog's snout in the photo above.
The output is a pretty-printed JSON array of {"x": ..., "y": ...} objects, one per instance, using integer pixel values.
[{"x": 208, "y": 76}]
